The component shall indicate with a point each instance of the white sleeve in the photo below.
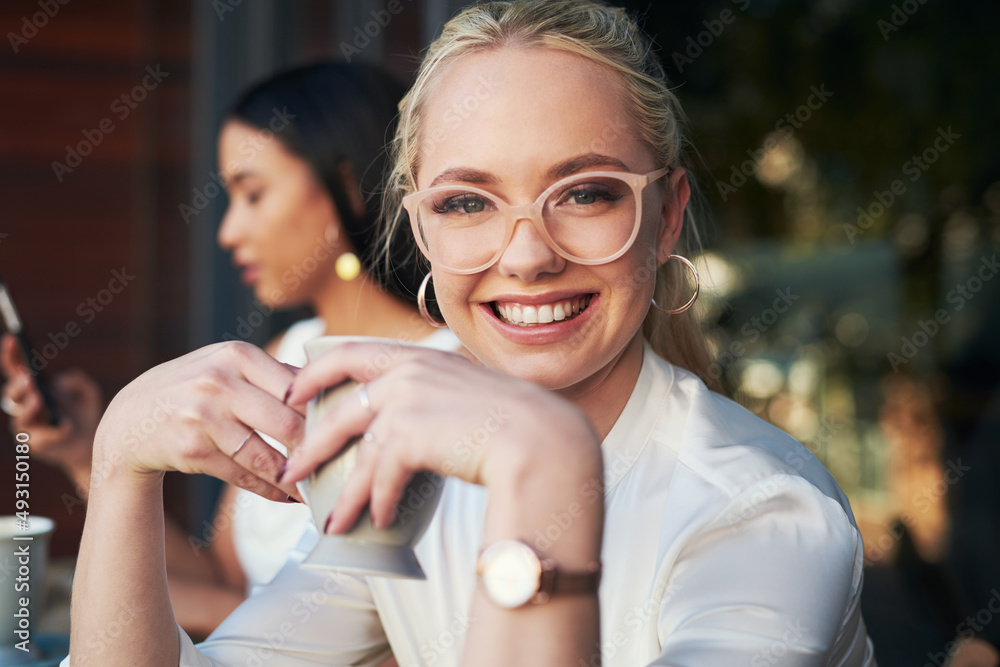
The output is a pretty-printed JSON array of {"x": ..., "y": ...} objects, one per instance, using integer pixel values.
[
  {"x": 774, "y": 579},
  {"x": 303, "y": 617}
]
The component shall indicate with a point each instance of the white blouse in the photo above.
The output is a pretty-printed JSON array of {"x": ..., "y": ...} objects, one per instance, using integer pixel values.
[{"x": 726, "y": 542}]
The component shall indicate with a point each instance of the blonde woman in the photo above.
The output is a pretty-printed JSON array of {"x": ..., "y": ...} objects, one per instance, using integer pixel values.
[{"x": 715, "y": 538}]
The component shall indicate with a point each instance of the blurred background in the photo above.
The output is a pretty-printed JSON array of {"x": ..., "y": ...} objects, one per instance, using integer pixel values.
[{"x": 849, "y": 157}]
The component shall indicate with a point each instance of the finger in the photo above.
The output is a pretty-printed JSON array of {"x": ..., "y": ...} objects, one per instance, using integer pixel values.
[
  {"x": 222, "y": 466},
  {"x": 259, "y": 368},
  {"x": 391, "y": 478},
  {"x": 357, "y": 361},
  {"x": 263, "y": 412},
  {"x": 258, "y": 457},
  {"x": 20, "y": 386},
  {"x": 357, "y": 490},
  {"x": 345, "y": 419},
  {"x": 10, "y": 355}
]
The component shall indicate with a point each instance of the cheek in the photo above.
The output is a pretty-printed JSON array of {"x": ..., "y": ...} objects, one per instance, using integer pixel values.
[{"x": 451, "y": 293}]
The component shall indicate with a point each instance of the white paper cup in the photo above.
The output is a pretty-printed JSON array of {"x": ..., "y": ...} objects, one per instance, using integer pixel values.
[
  {"x": 24, "y": 554},
  {"x": 363, "y": 549}
]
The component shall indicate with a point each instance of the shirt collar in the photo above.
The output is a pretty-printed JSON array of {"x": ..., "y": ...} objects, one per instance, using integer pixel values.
[{"x": 628, "y": 437}]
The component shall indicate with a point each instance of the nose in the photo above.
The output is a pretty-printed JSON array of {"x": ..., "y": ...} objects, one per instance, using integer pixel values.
[
  {"x": 528, "y": 256},
  {"x": 230, "y": 230}
]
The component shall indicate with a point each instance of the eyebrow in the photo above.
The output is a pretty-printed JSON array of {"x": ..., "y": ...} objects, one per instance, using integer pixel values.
[
  {"x": 234, "y": 179},
  {"x": 465, "y": 175},
  {"x": 561, "y": 170},
  {"x": 579, "y": 163}
]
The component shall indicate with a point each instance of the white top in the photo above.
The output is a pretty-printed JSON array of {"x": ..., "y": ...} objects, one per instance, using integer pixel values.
[
  {"x": 726, "y": 542},
  {"x": 263, "y": 530}
]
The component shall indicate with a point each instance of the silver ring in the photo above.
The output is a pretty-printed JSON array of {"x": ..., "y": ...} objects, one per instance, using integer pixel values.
[
  {"x": 10, "y": 406},
  {"x": 363, "y": 397},
  {"x": 245, "y": 441}
]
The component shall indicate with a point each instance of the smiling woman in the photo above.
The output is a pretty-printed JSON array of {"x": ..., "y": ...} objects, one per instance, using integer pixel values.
[{"x": 613, "y": 508}]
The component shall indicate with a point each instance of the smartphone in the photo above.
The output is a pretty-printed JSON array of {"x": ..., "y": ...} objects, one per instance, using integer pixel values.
[{"x": 13, "y": 324}]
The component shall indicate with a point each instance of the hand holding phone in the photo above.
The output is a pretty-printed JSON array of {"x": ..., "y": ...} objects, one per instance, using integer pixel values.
[{"x": 15, "y": 325}]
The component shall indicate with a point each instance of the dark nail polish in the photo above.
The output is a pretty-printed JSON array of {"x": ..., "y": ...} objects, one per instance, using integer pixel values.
[
  {"x": 326, "y": 526},
  {"x": 288, "y": 392},
  {"x": 281, "y": 473}
]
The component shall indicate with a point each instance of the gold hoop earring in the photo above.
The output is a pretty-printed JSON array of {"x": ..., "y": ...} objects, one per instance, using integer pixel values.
[
  {"x": 347, "y": 266},
  {"x": 422, "y": 304},
  {"x": 697, "y": 288}
]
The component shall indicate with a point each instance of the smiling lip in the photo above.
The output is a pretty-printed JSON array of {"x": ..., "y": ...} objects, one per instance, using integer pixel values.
[{"x": 502, "y": 315}]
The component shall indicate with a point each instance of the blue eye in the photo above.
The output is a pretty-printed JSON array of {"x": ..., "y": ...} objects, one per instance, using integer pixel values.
[
  {"x": 586, "y": 195},
  {"x": 464, "y": 204}
]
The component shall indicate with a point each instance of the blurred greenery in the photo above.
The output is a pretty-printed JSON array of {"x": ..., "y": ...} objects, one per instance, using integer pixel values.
[{"x": 885, "y": 238}]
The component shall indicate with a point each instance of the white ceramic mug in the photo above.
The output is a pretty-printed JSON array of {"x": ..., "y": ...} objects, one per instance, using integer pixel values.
[
  {"x": 363, "y": 549},
  {"x": 24, "y": 554}
]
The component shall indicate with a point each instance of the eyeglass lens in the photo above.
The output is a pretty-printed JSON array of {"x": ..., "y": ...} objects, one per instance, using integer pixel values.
[{"x": 590, "y": 218}]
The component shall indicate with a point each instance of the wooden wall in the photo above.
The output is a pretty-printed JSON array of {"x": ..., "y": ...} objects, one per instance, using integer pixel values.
[{"x": 64, "y": 234}]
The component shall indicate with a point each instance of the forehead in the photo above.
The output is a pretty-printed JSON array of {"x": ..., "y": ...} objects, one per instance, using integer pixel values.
[
  {"x": 242, "y": 146},
  {"x": 518, "y": 110}
]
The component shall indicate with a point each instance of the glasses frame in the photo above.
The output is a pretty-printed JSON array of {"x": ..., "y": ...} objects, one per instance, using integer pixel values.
[{"x": 533, "y": 212}]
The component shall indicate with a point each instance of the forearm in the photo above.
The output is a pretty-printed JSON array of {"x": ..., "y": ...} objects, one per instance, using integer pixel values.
[
  {"x": 565, "y": 630},
  {"x": 121, "y": 577}
]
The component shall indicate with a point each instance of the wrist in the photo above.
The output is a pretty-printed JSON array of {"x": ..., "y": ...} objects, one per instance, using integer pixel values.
[{"x": 551, "y": 498}]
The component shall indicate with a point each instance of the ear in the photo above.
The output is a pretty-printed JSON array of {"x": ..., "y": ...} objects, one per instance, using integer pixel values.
[{"x": 672, "y": 214}]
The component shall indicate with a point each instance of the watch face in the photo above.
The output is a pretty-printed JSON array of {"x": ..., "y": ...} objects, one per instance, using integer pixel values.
[{"x": 510, "y": 573}]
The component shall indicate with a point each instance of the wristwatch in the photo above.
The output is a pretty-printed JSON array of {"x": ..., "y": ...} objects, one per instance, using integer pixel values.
[{"x": 512, "y": 574}]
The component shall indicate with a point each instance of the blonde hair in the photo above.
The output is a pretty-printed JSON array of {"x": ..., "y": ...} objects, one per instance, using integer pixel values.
[{"x": 609, "y": 37}]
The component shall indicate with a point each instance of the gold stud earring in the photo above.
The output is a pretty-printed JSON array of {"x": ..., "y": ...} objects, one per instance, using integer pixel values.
[{"x": 347, "y": 266}]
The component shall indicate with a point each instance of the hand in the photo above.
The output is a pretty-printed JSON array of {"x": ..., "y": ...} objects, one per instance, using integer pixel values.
[
  {"x": 197, "y": 414},
  {"x": 440, "y": 412},
  {"x": 67, "y": 446}
]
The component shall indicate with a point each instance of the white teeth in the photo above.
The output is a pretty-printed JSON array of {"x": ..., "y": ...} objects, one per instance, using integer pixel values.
[{"x": 523, "y": 315}]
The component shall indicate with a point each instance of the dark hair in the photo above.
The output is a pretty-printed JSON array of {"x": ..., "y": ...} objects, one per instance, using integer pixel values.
[{"x": 335, "y": 114}]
